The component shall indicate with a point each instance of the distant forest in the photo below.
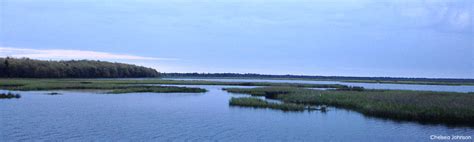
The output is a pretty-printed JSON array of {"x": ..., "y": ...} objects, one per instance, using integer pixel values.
[
  {"x": 263, "y": 76},
  {"x": 29, "y": 68}
]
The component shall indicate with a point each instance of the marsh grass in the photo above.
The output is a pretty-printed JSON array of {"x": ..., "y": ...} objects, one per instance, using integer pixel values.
[
  {"x": 200, "y": 82},
  {"x": 9, "y": 95},
  {"x": 89, "y": 84},
  {"x": 27, "y": 84},
  {"x": 351, "y": 88},
  {"x": 53, "y": 93},
  {"x": 421, "y": 106},
  {"x": 259, "y": 103},
  {"x": 129, "y": 86},
  {"x": 158, "y": 89}
]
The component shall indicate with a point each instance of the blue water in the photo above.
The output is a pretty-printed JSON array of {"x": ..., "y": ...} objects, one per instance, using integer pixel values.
[
  {"x": 444, "y": 88},
  {"x": 87, "y": 116}
]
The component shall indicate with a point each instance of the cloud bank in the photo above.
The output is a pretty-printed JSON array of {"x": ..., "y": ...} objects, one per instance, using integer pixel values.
[{"x": 64, "y": 54}]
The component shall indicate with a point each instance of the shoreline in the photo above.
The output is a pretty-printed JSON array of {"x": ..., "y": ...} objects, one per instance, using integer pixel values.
[{"x": 342, "y": 81}]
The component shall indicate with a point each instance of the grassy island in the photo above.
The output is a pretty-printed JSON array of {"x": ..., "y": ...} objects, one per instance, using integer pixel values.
[
  {"x": 421, "y": 106},
  {"x": 158, "y": 89},
  {"x": 9, "y": 95},
  {"x": 91, "y": 84},
  {"x": 259, "y": 103}
]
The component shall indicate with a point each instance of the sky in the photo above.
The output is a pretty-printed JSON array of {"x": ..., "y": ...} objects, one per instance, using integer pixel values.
[{"x": 396, "y": 38}]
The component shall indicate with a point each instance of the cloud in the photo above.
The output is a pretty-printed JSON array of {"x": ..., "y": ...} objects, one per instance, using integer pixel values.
[
  {"x": 64, "y": 54},
  {"x": 460, "y": 20},
  {"x": 445, "y": 15}
]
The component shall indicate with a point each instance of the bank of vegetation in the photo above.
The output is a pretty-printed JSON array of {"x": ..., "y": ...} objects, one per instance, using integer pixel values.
[
  {"x": 259, "y": 103},
  {"x": 30, "y": 68},
  {"x": 157, "y": 89},
  {"x": 9, "y": 95},
  {"x": 108, "y": 86},
  {"x": 421, "y": 106}
]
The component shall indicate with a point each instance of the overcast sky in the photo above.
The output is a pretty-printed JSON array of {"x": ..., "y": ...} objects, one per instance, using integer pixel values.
[{"x": 400, "y": 38}]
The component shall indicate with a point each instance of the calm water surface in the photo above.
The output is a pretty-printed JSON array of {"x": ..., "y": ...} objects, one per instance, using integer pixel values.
[
  {"x": 446, "y": 88},
  {"x": 207, "y": 116}
]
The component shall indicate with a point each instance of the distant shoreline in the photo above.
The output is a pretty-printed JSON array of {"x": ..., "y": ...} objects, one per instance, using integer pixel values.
[{"x": 349, "y": 81}]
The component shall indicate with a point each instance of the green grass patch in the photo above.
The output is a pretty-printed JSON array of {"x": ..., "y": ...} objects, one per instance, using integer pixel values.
[
  {"x": 259, "y": 103},
  {"x": 421, "y": 106}
]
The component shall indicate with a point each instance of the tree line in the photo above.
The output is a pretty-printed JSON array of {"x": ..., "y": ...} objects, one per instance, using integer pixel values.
[{"x": 30, "y": 68}]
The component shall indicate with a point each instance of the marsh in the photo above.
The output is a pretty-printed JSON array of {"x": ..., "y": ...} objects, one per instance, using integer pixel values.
[{"x": 190, "y": 116}]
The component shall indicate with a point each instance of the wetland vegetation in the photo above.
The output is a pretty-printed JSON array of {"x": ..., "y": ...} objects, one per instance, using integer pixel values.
[
  {"x": 259, "y": 103},
  {"x": 53, "y": 93},
  {"x": 157, "y": 89},
  {"x": 9, "y": 95},
  {"x": 90, "y": 84},
  {"x": 111, "y": 84},
  {"x": 421, "y": 106}
]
